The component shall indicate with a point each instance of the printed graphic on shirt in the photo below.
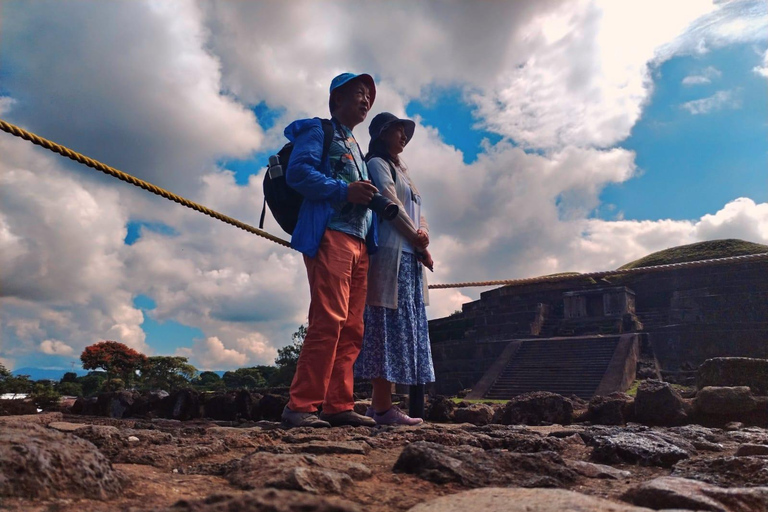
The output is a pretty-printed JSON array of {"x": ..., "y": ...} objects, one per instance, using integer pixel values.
[{"x": 347, "y": 164}]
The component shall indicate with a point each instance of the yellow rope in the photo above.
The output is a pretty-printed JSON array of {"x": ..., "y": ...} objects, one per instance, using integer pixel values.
[
  {"x": 606, "y": 273},
  {"x": 74, "y": 155},
  {"x": 57, "y": 148}
]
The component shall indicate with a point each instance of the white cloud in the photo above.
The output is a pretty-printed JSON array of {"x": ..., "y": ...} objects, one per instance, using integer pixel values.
[
  {"x": 719, "y": 101},
  {"x": 705, "y": 76},
  {"x": 6, "y": 103},
  {"x": 211, "y": 353},
  {"x": 56, "y": 347},
  {"x": 762, "y": 70}
]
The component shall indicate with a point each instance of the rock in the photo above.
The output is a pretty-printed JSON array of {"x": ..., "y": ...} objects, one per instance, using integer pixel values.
[
  {"x": 439, "y": 409},
  {"x": 297, "y": 472},
  {"x": 474, "y": 467},
  {"x": 44, "y": 418},
  {"x": 321, "y": 448},
  {"x": 591, "y": 470},
  {"x": 670, "y": 492},
  {"x": 133, "y": 439},
  {"x": 245, "y": 406},
  {"x": 645, "y": 448},
  {"x": 362, "y": 406},
  {"x": 40, "y": 463},
  {"x": 733, "y": 425},
  {"x": 65, "y": 426},
  {"x": 747, "y": 450},
  {"x": 702, "y": 438},
  {"x": 184, "y": 404},
  {"x": 115, "y": 404},
  {"x": 476, "y": 414},
  {"x": 725, "y": 400},
  {"x": 609, "y": 410},
  {"x": 87, "y": 406},
  {"x": 657, "y": 403},
  {"x": 271, "y": 406},
  {"x": 220, "y": 406},
  {"x": 537, "y": 408},
  {"x": 734, "y": 371},
  {"x": 745, "y": 471},
  {"x": 265, "y": 500},
  {"x": 17, "y": 407},
  {"x": 494, "y": 499}
]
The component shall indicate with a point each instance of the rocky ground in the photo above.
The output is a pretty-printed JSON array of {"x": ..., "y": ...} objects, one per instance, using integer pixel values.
[{"x": 535, "y": 453}]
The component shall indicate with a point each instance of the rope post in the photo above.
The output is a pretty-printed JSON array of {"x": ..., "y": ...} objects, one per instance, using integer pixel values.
[{"x": 416, "y": 401}]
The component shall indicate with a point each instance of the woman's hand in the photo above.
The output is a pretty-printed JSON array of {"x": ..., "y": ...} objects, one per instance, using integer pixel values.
[
  {"x": 422, "y": 240},
  {"x": 426, "y": 259}
]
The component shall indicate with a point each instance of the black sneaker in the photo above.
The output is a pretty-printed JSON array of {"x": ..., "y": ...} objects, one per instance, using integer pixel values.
[
  {"x": 293, "y": 419},
  {"x": 350, "y": 418}
]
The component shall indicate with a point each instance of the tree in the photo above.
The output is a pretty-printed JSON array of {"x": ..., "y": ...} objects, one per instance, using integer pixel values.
[
  {"x": 92, "y": 383},
  {"x": 114, "y": 358},
  {"x": 44, "y": 396},
  {"x": 70, "y": 388},
  {"x": 248, "y": 378},
  {"x": 14, "y": 384},
  {"x": 287, "y": 358},
  {"x": 166, "y": 372},
  {"x": 209, "y": 381}
]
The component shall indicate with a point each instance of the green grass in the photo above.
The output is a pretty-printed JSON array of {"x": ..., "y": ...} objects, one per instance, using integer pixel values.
[
  {"x": 698, "y": 251},
  {"x": 632, "y": 391}
]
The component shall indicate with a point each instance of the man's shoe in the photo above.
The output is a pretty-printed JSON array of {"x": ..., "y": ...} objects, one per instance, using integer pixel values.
[
  {"x": 350, "y": 418},
  {"x": 370, "y": 412},
  {"x": 293, "y": 419},
  {"x": 395, "y": 416}
]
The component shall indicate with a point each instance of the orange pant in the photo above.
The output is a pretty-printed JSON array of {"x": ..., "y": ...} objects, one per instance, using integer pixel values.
[{"x": 338, "y": 279}]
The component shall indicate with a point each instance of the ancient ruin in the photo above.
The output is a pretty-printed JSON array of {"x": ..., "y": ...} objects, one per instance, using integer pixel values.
[{"x": 585, "y": 337}]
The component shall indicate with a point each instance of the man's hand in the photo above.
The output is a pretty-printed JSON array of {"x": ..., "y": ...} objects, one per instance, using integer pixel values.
[
  {"x": 361, "y": 192},
  {"x": 422, "y": 240}
]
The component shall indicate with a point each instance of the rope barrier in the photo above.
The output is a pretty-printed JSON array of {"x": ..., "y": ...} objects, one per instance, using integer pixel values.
[
  {"x": 94, "y": 164},
  {"x": 605, "y": 273},
  {"x": 74, "y": 155}
]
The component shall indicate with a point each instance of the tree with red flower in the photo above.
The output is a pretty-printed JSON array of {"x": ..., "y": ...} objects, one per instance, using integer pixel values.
[{"x": 113, "y": 357}]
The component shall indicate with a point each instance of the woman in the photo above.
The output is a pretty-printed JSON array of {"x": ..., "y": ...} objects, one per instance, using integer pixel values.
[{"x": 396, "y": 340}]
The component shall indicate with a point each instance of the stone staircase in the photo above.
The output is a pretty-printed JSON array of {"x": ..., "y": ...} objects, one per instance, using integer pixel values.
[{"x": 565, "y": 366}]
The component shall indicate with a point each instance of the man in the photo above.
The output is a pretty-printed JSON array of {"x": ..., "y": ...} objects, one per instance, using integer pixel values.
[{"x": 335, "y": 232}]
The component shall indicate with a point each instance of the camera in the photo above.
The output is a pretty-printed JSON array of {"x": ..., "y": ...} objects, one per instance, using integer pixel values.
[{"x": 383, "y": 207}]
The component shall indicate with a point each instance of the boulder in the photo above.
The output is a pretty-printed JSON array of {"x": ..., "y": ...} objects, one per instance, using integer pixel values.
[
  {"x": 645, "y": 448},
  {"x": 87, "y": 406},
  {"x": 41, "y": 463},
  {"x": 294, "y": 472},
  {"x": 183, "y": 405},
  {"x": 537, "y": 408},
  {"x": 475, "y": 467},
  {"x": 610, "y": 410},
  {"x": 265, "y": 500},
  {"x": 726, "y": 401},
  {"x": 17, "y": 407},
  {"x": 657, "y": 403},
  {"x": 114, "y": 404},
  {"x": 220, "y": 406},
  {"x": 680, "y": 493},
  {"x": 476, "y": 414},
  {"x": 734, "y": 371},
  {"x": 439, "y": 409},
  {"x": 743, "y": 471},
  {"x": 494, "y": 499},
  {"x": 271, "y": 407}
]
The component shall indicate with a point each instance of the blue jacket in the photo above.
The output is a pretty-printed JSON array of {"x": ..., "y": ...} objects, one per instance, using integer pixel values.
[{"x": 313, "y": 179}]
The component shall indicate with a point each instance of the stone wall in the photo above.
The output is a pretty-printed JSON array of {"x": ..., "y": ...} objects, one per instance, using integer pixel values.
[{"x": 690, "y": 315}]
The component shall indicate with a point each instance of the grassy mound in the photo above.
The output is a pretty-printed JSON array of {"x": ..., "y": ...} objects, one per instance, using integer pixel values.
[{"x": 698, "y": 251}]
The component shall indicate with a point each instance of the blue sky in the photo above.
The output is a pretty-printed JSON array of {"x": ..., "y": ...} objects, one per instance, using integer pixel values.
[{"x": 570, "y": 157}]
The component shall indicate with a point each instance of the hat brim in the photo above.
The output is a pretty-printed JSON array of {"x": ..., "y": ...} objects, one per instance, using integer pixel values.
[{"x": 408, "y": 126}]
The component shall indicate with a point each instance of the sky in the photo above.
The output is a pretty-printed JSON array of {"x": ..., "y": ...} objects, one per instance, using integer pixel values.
[{"x": 551, "y": 136}]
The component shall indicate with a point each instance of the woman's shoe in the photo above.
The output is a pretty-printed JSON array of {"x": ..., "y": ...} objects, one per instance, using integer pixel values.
[{"x": 395, "y": 416}]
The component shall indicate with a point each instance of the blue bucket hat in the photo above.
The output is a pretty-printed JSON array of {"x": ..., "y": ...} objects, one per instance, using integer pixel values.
[
  {"x": 384, "y": 120},
  {"x": 346, "y": 77}
]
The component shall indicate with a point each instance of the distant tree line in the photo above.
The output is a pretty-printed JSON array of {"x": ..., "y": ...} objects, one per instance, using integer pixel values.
[{"x": 115, "y": 366}]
